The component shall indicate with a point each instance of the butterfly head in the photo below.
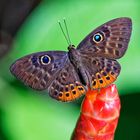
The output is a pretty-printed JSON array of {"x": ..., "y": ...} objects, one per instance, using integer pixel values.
[{"x": 71, "y": 47}]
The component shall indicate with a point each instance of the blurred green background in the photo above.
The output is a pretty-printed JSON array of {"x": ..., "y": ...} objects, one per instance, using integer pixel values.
[{"x": 31, "y": 26}]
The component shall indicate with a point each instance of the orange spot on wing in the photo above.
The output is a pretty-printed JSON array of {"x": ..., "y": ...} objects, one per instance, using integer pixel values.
[
  {"x": 94, "y": 84},
  {"x": 102, "y": 81},
  {"x": 73, "y": 92},
  {"x": 61, "y": 97}
]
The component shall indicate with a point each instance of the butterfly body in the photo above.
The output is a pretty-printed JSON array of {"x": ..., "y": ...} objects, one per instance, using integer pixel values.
[
  {"x": 75, "y": 59},
  {"x": 67, "y": 75}
]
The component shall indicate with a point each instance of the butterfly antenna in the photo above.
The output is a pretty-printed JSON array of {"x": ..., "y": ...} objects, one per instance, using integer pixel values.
[
  {"x": 67, "y": 30},
  {"x": 64, "y": 33}
]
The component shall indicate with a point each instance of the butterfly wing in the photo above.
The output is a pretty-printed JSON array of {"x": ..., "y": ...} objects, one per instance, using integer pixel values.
[
  {"x": 57, "y": 76},
  {"x": 67, "y": 86},
  {"x": 36, "y": 74},
  {"x": 100, "y": 49},
  {"x": 100, "y": 71},
  {"x": 110, "y": 40}
]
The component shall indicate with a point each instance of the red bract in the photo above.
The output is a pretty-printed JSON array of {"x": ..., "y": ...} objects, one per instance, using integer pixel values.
[{"x": 99, "y": 115}]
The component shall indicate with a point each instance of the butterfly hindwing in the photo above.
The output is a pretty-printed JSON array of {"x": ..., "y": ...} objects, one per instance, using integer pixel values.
[
  {"x": 33, "y": 72},
  {"x": 110, "y": 40},
  {"x": 67, "y": 86},
  {"x": 100, "y": 71}
]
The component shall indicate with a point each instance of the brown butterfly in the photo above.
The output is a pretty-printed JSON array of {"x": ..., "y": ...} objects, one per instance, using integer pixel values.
[{"x": 68, "y": 75}]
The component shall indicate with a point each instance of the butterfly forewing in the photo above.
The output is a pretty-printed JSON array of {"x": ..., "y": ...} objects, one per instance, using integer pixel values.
[
  {"x": 115, "y": 38},
  {"x": 36, "y": 74}
]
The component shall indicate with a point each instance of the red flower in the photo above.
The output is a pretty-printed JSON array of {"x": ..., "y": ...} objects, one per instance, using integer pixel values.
[{"x": 99, "y": 115}]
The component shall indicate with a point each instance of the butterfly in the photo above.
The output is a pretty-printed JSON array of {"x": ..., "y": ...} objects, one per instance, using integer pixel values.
[{"x": 68, "y": 75}]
